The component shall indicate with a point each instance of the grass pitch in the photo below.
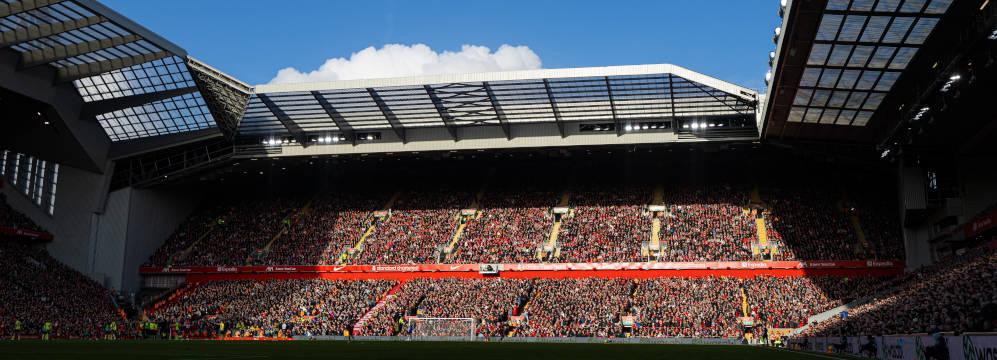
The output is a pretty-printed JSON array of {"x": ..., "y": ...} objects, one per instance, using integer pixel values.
[{"x": 218, "y": 350}]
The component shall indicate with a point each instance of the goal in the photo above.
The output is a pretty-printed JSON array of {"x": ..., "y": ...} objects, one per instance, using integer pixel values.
[{"x": 463, "y": 328}]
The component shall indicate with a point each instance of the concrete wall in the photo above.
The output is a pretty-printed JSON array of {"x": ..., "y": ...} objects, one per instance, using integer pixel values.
[
  {"x": 135, "y": 223},
  {"x": 979, "y": 184},
  {"x": 107, "y": 240},
  {"x": 977, "y": 190},
  {"x": 78, "y": 197},
  {"x": 153, "y": 216}
]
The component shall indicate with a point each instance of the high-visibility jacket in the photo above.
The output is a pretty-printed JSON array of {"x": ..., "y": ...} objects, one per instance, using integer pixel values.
[{"x": 17, "y": 325}]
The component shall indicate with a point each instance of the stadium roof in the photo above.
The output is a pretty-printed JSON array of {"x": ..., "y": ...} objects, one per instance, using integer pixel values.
[
  {"x": 836, "y": 61},
  {"x": 134, "y": 83},
  {"x": 618, "y": 94}
]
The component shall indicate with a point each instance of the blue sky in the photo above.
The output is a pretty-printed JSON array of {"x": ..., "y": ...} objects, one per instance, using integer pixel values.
[{"x": 252, "y": 40}]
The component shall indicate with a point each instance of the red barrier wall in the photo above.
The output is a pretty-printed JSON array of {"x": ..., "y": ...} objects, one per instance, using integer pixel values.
[{"x": 634, "y": 274}]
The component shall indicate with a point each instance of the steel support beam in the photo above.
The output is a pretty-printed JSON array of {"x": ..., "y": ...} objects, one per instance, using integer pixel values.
[
  {"x": 714, "y": 96},
  {"x": 35, "y": 32},
  {"x": 337, "y": 118},
  {"x": 390, "y": 116},
  {"x": 48, "y": 55},
  {"x": 612, "y": 106},
  {"x": 90, "y": 69},
  {"x": 18, "y": 7},
  {"x": 95, "y": 108},
  {"x": 447, "y": 120},
  {"x": 553, "y": 107},
  {"x": 503, "y": 121},
  {"x": 290, "y": 125}
]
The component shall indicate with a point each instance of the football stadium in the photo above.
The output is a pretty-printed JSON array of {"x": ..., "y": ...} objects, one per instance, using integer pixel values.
[{"x": 153, "y": 206}]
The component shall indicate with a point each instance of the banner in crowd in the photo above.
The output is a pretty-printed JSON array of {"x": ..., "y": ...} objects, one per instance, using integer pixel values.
[
  {"x": 775, "y": 333},
  {"x": 908, "y": 347},
  {"x": 37, "y": 235},
  {"x": 708, "y": 265}
]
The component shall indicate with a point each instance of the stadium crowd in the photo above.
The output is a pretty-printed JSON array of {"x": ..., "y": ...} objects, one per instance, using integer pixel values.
[
  {"x": 811, "y": 224},
  {"x": 275, "y": 308},
  {"x": 576, "y": 307},
  {"x": 231, "y": 233},
  {"x": 37, "y": 289},
  {"x": 508, "y": 229},
  {"x": 331, "y": 226},
  {"x": 419, "y": 226},
  {"x": 605, "y": 226},
  {"x": 489, "y": 302},
  {"x": 700, "y": 223},
  {"x": 687, "y": 307},
  {"x": 707, "y": 223},
  {"x": 953, "y": 295}
]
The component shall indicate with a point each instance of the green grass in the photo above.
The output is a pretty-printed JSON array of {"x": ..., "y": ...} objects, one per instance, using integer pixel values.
[{"x": 214, "y": 350}]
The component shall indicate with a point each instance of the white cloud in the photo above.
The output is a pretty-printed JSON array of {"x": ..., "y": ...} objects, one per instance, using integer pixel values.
[{"x": 395, "y": 60}]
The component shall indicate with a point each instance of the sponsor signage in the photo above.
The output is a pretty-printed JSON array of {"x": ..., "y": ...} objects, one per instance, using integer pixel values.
[
  {"x": 488, "y": 269},
  {"x": 37, "y": 235},
  {"x": 981, "y": 224},
  {"x": 910, "y": 347},
  {"x": 708, "y": 265}
]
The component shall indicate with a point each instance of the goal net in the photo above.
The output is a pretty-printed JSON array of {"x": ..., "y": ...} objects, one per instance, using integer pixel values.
[{"x": 443, "y": 327}]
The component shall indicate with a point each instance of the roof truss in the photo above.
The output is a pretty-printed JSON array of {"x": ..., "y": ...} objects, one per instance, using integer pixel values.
[
  {"x": 505, "y": 102},
  {"x": 133, "y": 82}
]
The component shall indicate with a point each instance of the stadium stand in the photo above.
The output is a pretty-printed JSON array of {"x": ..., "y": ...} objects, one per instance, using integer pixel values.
[
  {"x": 707, "y": 223},
  {"x": 415, "y": 231},
  {"x": 510, "y": 226},
  {"x": 959, "y": 295},
  {"x": 607, "y": 226},
  {"x": 648, "y": 203},
  {"x": 271, "y": 308},
  {"x": 706, "y": 307},
  {"x": 38, "y": 289},
  {"x": 329, "y": 229},
  {"x": 701, "y": 223}
]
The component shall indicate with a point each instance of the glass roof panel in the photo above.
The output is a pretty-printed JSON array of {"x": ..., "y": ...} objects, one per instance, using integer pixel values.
[
  {"x": 829, "y": 25},
  {"x": 938, "y": 7},
  {"x": 187, "y": 112},
  {"x": 922, "y": 28},
  {"x": 159, "y": 75}
]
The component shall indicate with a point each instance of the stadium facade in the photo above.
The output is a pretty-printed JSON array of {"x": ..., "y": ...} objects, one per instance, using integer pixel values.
[{"x": 113, "y": 137}]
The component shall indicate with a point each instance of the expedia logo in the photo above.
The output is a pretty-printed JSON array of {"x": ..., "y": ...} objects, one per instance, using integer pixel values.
[
  {"x": 753, "y": 265},
  {"x": 971, "y": 352},
  {"x": 227, "y": 269}
]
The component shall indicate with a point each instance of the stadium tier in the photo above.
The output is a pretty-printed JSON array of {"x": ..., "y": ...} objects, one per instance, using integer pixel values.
[
  {"x": 575, "y": 225},
  {"x": 664, "y": 307}
]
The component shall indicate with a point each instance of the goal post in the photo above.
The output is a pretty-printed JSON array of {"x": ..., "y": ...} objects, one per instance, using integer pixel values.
[{"x": 463, "y": 328}]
